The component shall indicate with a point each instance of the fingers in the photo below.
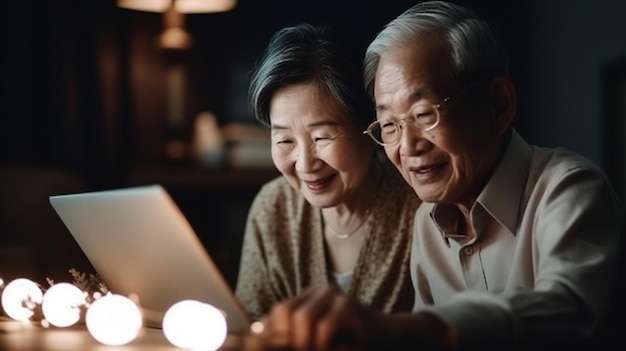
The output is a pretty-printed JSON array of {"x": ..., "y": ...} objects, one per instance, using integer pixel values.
[
  {"x": 309, "y": 315},
  {"x": 318, "y": 319},
  {"x": 279, "y": 325},
  {"x": 341, "y": 326}
]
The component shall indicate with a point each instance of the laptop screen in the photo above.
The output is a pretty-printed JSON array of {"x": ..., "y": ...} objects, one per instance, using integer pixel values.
[{"x": 140, "y": 243}]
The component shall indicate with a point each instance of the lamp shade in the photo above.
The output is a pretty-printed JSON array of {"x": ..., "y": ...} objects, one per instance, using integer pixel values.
[{"x": 182, "y": 6}]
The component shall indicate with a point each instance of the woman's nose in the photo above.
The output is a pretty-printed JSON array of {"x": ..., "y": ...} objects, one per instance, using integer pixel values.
[{"x": 306, "y": 159}]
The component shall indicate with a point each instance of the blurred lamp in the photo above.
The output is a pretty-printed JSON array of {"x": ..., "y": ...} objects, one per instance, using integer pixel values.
[
  {"x": 174, "y": 35},
  {"x": 183, "y": 6},
  {"x": 174, "y": 41}
]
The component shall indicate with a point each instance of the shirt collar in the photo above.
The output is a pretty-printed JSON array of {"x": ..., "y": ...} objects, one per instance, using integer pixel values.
[{"x": 502, "y": 195}]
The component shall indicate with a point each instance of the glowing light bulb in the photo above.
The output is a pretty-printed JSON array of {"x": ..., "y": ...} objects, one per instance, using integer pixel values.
[
  {"x": 114, "y": 320},
  {"x": 257, "y": 327},
  {"x": 61, "y": 304},
  {"x": 20, "y": 297},
  {"x": 194, "y": 325}
]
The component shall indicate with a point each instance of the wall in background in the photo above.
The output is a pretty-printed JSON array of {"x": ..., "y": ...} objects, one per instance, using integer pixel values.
[
  {"x": 84, "y": 83},
  {"x": 567, "y": 46},
  {"x": 79, "y": 73}
]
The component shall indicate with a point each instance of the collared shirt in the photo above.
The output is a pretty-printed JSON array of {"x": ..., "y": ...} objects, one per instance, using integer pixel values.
[{"x": 544, "y": 259}]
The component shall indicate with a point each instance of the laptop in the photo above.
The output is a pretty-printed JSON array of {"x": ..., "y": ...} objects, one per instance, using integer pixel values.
[{"x": 140, "y": 243}]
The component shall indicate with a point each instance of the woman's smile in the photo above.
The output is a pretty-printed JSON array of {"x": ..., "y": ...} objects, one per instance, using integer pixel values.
[{"x": 320, "y": 184}]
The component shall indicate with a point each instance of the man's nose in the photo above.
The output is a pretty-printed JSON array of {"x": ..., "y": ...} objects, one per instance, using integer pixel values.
[{"x": 411, "y": 140}]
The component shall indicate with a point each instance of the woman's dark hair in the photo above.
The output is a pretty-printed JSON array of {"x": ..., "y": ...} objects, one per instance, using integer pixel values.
[{"x": 329, "y": 55}]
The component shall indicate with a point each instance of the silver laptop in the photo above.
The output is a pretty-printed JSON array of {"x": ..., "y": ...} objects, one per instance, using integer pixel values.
[{"x": 140, "y": 243}]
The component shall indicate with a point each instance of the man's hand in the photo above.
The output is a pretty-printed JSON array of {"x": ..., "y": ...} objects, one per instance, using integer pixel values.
[{"x": 322, "y": 319}]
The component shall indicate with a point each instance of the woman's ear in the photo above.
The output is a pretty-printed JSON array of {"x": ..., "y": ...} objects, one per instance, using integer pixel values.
[{"x": 504, "y": 99}]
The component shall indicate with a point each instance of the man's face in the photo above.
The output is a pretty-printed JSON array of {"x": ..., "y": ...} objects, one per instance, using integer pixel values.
[{"x": 452, "y": 162}]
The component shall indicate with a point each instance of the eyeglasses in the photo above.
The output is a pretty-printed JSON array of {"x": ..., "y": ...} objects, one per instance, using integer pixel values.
[{"x": 423, "y": 116}]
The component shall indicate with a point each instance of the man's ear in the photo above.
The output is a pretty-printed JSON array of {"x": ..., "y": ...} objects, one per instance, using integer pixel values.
[{"x": 504, "y": 99}]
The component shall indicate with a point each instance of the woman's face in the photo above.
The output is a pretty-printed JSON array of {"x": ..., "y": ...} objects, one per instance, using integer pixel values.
[{"x": 316, "y": 146}]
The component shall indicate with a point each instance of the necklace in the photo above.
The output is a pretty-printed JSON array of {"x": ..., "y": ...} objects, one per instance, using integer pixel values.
[{"x": 342, "y": 235}]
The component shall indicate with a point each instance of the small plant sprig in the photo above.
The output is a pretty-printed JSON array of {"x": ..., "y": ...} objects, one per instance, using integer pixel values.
[{"x": 90, "y": 283}]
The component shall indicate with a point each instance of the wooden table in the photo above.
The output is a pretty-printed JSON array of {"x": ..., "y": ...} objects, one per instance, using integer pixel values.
[{"x": 31, "y": 336}]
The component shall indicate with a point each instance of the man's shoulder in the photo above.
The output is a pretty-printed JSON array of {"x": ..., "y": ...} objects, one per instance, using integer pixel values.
[
  {"x": 558, "y": 169},
  {"x": 559, "y": 160}
]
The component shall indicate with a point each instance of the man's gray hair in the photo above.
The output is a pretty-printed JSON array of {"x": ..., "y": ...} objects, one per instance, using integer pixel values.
[{"x": 476, "y": 47}]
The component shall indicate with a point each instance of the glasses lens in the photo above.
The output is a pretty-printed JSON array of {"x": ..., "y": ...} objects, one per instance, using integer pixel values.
[
  {"x": 424, "y": 116},
  {"x": 385, "y": 133}
]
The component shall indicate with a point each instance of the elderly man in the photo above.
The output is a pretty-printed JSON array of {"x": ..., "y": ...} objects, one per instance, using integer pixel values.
[{"x": 514, "y": 244}]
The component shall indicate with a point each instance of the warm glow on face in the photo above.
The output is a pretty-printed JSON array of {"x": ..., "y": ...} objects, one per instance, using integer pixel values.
[
  {"x": 114, "y": 320},
  {"x": 195, "y": 325},
  {"x": 20, "y": 297},
  {"x": 62, "y": 304}
]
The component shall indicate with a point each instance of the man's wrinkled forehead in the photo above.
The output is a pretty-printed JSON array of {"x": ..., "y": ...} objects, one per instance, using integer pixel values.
[{"x": 413, "y": 70}]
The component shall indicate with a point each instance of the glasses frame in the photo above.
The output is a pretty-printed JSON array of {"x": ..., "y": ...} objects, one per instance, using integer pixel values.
[{"x": 402, "y": 122}]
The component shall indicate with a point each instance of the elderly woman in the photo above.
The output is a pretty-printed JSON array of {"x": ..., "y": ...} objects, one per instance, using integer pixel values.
[{"x": 340, "y": 214}]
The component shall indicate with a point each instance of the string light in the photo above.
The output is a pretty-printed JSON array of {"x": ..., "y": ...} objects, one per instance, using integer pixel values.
[
  {"x": 114, "y": 320},
  {"x": 194, "y": 325},
  {"x": 20, "y": 298},
  {"x": 62, "y": 304}
]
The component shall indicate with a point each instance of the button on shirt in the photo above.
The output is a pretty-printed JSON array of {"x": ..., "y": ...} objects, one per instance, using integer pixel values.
[{"x": 544, "y": 257}]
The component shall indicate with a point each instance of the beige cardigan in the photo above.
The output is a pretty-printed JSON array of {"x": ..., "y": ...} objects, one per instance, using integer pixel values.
[{"x": 283, "y": 249}]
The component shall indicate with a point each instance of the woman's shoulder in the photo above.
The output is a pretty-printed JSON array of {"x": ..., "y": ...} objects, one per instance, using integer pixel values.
[
  {"x": 278, "y": 195},
  {"x": 278, "y": 211},
  {"x": 278, "y": 184},
  {"x": 395, "y": 197},
  {"x": 277, "y": 188}
]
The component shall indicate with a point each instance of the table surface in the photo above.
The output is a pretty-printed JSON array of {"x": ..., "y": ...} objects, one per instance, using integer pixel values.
[{"x": 19, "y": 336}]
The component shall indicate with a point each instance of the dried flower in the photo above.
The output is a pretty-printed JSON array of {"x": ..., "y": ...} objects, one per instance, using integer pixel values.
[{"x": 90, "y": 283}]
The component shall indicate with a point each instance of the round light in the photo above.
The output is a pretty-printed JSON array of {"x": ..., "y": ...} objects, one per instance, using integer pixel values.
[
  {"x": 20, "y": 297},
  {"x": 62, "y": 304},
  {"x": 114, "y": 320},
  {"x": 194, "y": 325},
  {"x": 257, "y": 327}
]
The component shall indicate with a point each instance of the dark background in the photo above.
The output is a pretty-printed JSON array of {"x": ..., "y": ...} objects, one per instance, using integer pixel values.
[
  {"x": 83, "y": 92},
  {"x": 84, "y": 82}
]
